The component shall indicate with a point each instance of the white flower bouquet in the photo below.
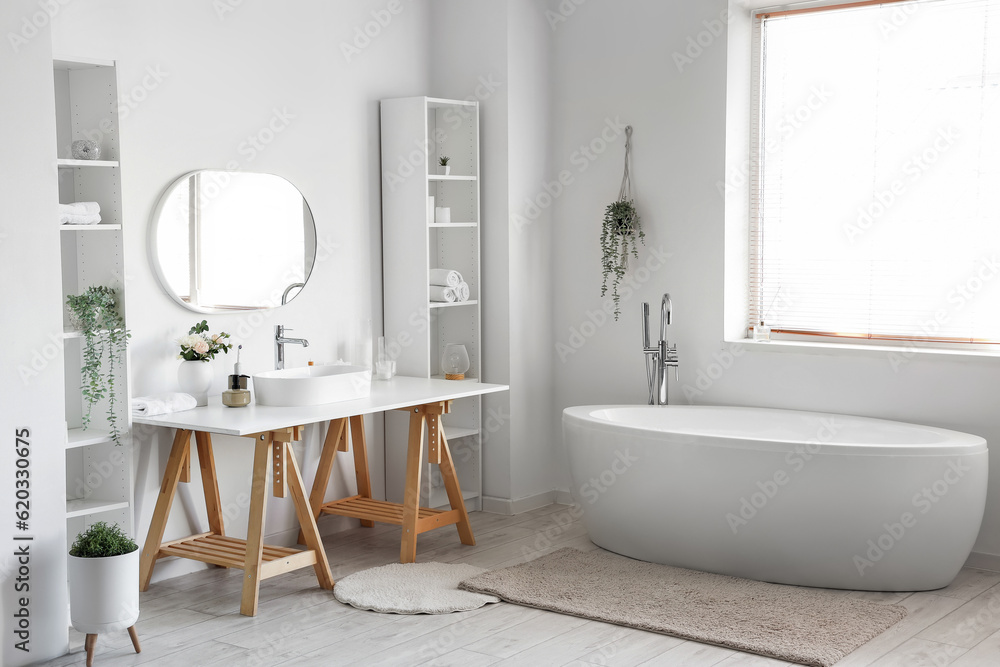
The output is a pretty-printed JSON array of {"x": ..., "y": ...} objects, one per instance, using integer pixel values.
[{"x": 198, "y": 345}]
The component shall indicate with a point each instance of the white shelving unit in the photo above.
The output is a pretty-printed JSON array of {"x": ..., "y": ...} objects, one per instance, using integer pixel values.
[
  {"x": 412, "y": 244},
  {"x": 99, "y": 483}
]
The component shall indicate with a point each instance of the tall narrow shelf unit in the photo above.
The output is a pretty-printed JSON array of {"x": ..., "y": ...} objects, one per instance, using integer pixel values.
[
  {"x": 99, "y": 482},
  {"x": 416, "y": 131}
]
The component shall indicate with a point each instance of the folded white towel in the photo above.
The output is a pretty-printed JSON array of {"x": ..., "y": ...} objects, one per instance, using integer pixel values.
[
  {"x": 445, "y": 277},
  {"x": 461, "y": 291},
  {"x": 442, "y": 294},
  {"x": 162, "y": 404},
  {"x": 87, "y": 219},
  {"x": 80, "y": 208}
]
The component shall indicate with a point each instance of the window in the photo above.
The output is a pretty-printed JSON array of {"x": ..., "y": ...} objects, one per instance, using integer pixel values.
[{"x": 875, "y": 182}]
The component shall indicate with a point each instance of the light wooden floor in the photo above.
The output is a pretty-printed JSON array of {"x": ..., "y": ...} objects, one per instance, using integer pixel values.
[{"x": 194, "y": 620}]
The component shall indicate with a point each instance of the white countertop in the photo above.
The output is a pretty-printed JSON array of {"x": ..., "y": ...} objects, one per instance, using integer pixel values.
[{"x": 399, "y": 392}]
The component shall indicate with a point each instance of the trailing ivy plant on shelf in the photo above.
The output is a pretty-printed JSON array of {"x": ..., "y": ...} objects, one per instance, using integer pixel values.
[
  {"x": 619, "y": 232},
  {"x": 97, "y": 315}
]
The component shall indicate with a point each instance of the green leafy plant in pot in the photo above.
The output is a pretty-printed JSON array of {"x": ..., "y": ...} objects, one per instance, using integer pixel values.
[
  {"x": 97, "y": 315},
  {"x": 104, "y": 583},
  {"x": 620, "y": 233}
]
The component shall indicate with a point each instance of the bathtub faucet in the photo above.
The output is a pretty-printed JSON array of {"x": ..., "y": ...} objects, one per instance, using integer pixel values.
[{"x": 659, "y": 356}]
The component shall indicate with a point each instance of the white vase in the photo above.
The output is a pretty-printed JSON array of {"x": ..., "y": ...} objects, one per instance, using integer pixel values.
[
  {"x": 195, "y": 378},
  {"x": 104, "y": 593},
  {"x": 445, "y": 171}
]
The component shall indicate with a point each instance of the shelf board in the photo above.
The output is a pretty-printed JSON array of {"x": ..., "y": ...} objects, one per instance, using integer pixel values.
[
  {"x": 81, "y": 507},
  {"x": 453, "y": 224},
  {"x": 72, "y": 62},
  {"x": 452, "y": 177},
  {"x": 63, "y": 162},
  {"x": 439, "y": 497},
  {"x": 438, "y": 102},
  {"x": 72, "y": 333},
  {"x": 99, "y": 227},
  {"x": 77, "y": 437},
  {"x": 444, "y": 304},
  {"x": 456, "y": 432}
]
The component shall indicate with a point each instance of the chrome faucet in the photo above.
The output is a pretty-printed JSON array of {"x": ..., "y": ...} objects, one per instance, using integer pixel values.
[
  {"x": 284, "y": 295},
  {"x": 659, "y": 356},
  {"x": 279, "y": 345}
]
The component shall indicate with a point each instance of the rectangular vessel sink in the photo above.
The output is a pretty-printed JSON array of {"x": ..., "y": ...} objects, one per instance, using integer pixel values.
[{"x": 312, "y": 385}]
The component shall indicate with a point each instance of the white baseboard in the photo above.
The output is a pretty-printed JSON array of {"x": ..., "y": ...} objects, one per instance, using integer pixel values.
[
  {"x": 564, "y": 497},
  {"x": 510, "y": 507},
  {"x": 983, "y": 561}
]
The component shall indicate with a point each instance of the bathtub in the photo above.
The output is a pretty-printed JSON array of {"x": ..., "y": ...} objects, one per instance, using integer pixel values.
[{"x": 789, "y": 497}]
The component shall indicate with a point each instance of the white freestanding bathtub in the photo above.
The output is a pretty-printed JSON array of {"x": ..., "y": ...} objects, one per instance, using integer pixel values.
[{"x": 778, "y": 495}]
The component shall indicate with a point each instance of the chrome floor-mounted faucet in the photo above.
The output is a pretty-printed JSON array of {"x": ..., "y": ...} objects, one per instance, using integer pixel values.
[
  {"x": 659, "y": 356},
  {"x": 279, "y": 345}
]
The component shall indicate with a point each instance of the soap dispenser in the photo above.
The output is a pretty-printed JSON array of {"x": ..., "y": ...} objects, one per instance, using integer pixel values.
[{"x": 236, "y": 394}]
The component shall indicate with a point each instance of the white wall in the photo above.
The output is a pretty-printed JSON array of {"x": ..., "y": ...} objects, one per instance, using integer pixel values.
[
  {"x": 32, "y": 353},
  {"x": 497, "y": 52},
  {"x": 220, "y": 78},
  {"x": 617, "y": 59}
]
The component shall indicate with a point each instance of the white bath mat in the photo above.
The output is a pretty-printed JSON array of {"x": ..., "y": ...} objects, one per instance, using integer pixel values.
[{"x": 412, "y": 588}]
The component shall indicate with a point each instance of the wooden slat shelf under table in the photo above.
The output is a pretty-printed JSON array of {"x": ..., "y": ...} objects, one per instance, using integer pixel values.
[{"x": 382, "y": 511}]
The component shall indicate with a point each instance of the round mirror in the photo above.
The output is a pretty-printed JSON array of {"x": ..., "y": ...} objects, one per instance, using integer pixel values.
[{"x": 224, "y": 241}]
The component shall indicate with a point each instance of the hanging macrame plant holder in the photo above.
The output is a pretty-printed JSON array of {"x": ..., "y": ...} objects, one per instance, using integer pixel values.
[{"x": 620, "y": 232}]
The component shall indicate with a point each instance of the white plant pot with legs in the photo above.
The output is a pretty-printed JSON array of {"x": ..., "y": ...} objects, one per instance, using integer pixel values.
[{"x": 104, "y": 593}]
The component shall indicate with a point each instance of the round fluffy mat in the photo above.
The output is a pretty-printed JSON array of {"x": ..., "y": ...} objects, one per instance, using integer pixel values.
[{"x": 412, "y": 588}]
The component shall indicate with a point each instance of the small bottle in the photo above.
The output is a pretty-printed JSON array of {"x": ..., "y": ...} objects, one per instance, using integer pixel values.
[{"x": 237, "y": 395}]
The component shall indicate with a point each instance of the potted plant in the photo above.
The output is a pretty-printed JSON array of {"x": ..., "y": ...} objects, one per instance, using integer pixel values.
[
  {"x": 97, "y": 315},
  {"x": 443, "y": 162},
  {"x": 197, "y": 349},
  {"x": 620, "y": 232},
  {"x": 103, "y": 583}
]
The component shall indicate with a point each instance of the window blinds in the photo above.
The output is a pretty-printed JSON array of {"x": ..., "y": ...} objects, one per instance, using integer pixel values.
[{"x": 875, "y": 181}]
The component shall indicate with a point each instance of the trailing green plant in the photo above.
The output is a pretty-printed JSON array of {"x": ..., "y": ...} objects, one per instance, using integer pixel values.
[
  {"x": 102, "y": 540},
  {"x": 620, "y": 233},
  {"x": 444, "y": 160},
  {"x": 105, "y": 337}
]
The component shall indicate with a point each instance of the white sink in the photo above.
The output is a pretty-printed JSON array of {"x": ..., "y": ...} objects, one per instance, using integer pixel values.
[{"x": 312, "y": 385}]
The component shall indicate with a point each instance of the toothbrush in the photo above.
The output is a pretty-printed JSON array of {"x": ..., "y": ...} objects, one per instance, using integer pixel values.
[{"x": 237, "y": 369}]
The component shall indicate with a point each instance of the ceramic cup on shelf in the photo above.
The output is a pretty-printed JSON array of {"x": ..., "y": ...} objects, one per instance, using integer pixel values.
[{"x": 195, "y": 378}]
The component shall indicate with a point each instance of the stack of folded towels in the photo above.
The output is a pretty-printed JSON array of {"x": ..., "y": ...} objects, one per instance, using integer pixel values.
[
  {"x": 162, "y": 404},
  {"x": 447, "y": 286},
  {"x": 80, "y": 213}
]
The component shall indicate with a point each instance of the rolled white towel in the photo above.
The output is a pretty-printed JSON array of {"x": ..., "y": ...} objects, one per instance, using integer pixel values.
[
  {"x": 462, "y": 291},
  {"x": 445, "y": 277},
  {"x": 87, "y": 219},
  {"x": 162, "y": 404},
  {"x": 80, "y": 208},
  {"x": 442, "y": 294}
]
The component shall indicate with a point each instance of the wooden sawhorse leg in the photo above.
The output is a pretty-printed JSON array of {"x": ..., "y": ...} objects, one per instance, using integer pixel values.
[
  {"x": 273, "y": 447},
  {"x": 179, "y": 470},
  {"x": 440, "y": 454},
  {"x": 179, "y": 455},
  {"x": 337, "y": 441}
]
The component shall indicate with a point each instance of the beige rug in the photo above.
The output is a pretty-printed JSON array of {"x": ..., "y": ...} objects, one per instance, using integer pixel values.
[{"x": 808, "y": 626}]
